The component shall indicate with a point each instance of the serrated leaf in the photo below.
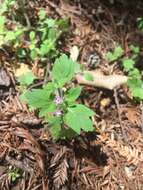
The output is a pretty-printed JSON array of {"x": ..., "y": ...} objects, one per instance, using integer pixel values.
[
  {"x": 84, "y": 110},
  {"x": 140, "y": 23},
  {"x": 32, "y": 35},
  {"x": 63, "y": 24},
  {"x": 135, "y": 49},
  {"x": 42, "y": 14},
  {"x": 33, "y": 53},
  {"x": 138, "y": 93},
  {"x": 49, "y": 87},
  {"x": 128, "y": 64},
  {"x": 27, "y": 78},
  {"x": 67, "y": 134},
  {"x": 55, "y": 127},
  {"x": 47, "y": 108},
  {"x": 135, "y": 73},
  {"x": 38, "y": 98},
  {"x": 2, "y": 24},
  {"x": 73, "y": 94},
  {"x": 46, "y": 47},
  {"x": 118, "y": 52},
  {"x": 52, "y": 34},
  {"x": 63, "y": 70},
  {"x": 10, "y": 35},
  {"x": 134, "y": 82},
  {"x": 50, "y": 22},
  {"x": 23, "y": 96},
  {"x": 78, "y": 119},
  {"x": 3, "y": 8},
  {"x": 136, "y": 87},
  {"x": 110, "y": 57}
]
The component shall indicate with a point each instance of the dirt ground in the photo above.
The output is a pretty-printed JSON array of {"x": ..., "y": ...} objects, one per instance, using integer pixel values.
[{"x": 110, "y": 158}]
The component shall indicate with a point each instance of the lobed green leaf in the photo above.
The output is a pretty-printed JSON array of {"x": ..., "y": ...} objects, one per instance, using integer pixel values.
[
  {"x": 73, "y": 94},
  {"x": 27, "y": 78},
  {"x": 78, "y": 118},
  {"x": 63, "y": 70}
]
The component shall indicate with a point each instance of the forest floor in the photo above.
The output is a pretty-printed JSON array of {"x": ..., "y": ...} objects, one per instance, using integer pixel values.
[{"x": 110, "y": 158}]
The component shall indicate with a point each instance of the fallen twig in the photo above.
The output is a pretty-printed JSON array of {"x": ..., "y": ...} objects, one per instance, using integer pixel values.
[
  {"x": 102, "y": 81},
  {"x": 119, "y": 114}
]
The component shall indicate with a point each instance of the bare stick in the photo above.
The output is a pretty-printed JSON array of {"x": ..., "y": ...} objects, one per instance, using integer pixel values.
[
  {"x": 119, "y": 114},
  {"x": 103, "y": 81}
]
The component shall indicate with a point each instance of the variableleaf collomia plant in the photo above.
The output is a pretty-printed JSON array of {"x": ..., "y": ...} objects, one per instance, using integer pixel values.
[{"x": 57, "y": 104}]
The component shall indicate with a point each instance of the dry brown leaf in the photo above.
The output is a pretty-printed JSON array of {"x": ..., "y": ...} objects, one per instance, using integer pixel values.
[
  {"x": 132, "y": 114},
  {"x": 21, "y": 70},
  {"x": 83, "y": 30}
]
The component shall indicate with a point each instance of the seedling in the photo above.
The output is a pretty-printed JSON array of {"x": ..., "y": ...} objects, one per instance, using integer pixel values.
[
  {"x": 57, "y": 103},
  {"x": 140, "y": 23},
  {"x": 14, "y": 174},
  {"x": 114, "y": 55},
  {"x": 38, "y": 42},
  {"x": 43, "y": 40},
  {"x": 135, "y": 81}
]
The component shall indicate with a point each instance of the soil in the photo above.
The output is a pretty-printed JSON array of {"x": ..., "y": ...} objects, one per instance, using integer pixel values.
[{"x": 110, "y": 158}]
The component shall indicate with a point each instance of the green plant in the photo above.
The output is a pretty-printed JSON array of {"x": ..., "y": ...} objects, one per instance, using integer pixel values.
[
  {"x": 56, "y": 102},
  {"x": 26, "y": 79},
  {"x": 135, "y": 81},
  {"x": 43, "y": 40},
  {"x": 8, "y": 36},
  {"x": 6, "y": 5},
  {"x": 14, "y": 174},
  {"x": 140, "y": 23},
  {"x": 114, "y": 55},
  {"x": 35, "y": 42}
]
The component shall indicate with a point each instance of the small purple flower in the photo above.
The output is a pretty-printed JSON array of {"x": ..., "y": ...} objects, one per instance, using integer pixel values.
[
  {"x": 58, "y": 100},
  {"x": 58, "y": 113}
]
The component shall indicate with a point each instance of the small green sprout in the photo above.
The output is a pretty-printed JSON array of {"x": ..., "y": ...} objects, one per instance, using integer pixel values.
[
  {"x": 135, "y": 81},
  {"x": 58, "y": 105},
  {"x": 14, "y": 174},
  {"x": 114, "y": 55},
  {"x": 140, "y": 23}
]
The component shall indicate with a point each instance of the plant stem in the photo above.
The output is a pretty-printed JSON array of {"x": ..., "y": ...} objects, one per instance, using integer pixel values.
[{"x": 47, "y": 72}]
